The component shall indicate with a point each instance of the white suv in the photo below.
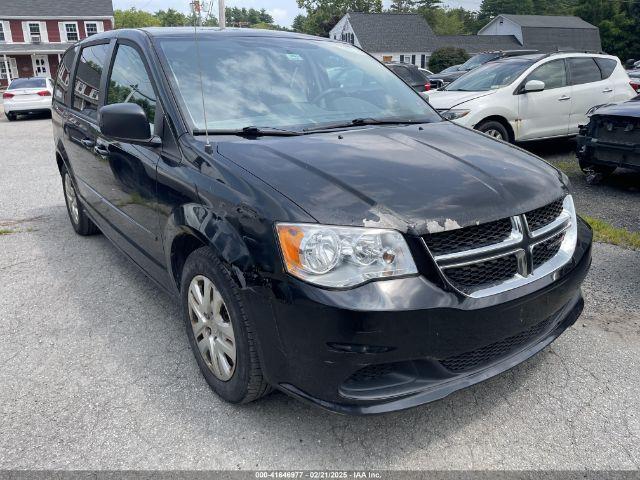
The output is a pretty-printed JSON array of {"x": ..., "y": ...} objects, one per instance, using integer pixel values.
[{"x": 533, "y": 96}]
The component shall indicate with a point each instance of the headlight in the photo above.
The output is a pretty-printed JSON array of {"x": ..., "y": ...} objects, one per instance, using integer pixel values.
[
  {"x": 343, "y": 256},
  {"x": 454, "y": 114}
]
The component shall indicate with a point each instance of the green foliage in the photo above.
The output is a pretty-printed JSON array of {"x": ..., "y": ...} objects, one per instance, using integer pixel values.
[
  {"x": 446, "y": 57},
  {"x": 322, "y": 15},
  {"x": 171, "y": 18},
  {"x": 134, "y": 18}
]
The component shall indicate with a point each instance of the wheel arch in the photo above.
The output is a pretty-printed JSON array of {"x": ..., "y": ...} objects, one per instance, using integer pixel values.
[
  {"x": 193, "y": 226},
  {"x": 503, "y": 121}
]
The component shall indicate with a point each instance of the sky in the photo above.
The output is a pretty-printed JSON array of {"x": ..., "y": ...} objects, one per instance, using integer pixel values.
[{"x": 283, "y": 11}]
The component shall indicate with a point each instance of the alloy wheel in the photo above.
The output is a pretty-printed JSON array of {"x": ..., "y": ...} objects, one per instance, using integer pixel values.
[
  {"x": 492, "y": 132},
  {"x": 212, "y": 327},
  {"x": 72, "y": 199}
]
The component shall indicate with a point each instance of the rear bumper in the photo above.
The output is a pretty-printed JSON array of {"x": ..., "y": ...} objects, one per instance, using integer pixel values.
[
  {"x": 28, "y": 107},
  {"x": 396, "y": 344}
]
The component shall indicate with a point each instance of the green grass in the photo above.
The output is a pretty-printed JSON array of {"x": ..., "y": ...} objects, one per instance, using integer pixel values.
[
  {"x": 6, "y": 231},
  {"x": 568, "y": 167},
  {"x": 607, "y": 233}
]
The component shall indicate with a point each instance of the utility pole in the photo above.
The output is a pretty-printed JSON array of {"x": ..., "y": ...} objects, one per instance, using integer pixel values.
[{"x": 222, "y": 18}]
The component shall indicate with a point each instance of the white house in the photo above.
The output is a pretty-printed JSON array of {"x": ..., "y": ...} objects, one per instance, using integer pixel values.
[{"x": 398, "y": 37}]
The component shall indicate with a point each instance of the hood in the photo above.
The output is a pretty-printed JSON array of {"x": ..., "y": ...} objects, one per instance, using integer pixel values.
[
  {"x": 448, "y": 77},
  {"x": 444, "y": 99},
  {"x": 410, "y": 178},
  {"x": 630, "y": 108}
]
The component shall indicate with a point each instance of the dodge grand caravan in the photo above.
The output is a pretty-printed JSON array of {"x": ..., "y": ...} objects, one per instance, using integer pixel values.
[{"x": 339, "y": 242}]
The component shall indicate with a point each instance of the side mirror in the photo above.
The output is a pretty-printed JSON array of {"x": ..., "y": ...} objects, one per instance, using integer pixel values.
[
  {"x": 533, "y": 86},
  {"x": 128, "y": 123}
]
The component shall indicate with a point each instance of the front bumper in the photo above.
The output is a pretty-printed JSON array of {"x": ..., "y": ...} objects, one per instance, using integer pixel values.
[
  {"x": 396, "y": 344},
  {"x": 591, "y": 150}
]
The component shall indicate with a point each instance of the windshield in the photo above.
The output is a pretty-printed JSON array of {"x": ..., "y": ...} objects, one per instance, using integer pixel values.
[
  {"x": 286, "y": 83},
  {"x": 489, "y": 77},
  {"x": 28, "y": 83},
  {"x": 478, "y": 60}
]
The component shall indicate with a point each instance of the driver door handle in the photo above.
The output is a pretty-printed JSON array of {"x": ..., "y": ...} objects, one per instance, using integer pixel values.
[
  {"x": 101, "y": 150},
  {"x": 607, "y": 90},
  {"x": 564, "y": 98}
]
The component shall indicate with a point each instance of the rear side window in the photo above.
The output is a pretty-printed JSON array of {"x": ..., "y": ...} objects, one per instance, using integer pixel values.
[
  {"x": 28, "y": 83},
  {"x": 553, "y": 74},
  {"x": 130, "y": 83},
  {"x": 584, "y": 70},
  {"x": 406, "y": 74},
  {"x": 64, "y": 75},
  {"x": 607, "y": 66},
  {"x": 86, "y": 91}
]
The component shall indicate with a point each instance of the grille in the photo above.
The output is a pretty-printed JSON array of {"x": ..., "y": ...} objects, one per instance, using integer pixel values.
[
  {"x": 490, "y": 353},
  {"x": 545, "y": 251},
  {"x": 543, "y": 216},
  {"x": 370, "y": 373},
  {"x": 484, "y": 273},
  {"x": 622, "y": 131},
  {"x": 468, "y": 238}
]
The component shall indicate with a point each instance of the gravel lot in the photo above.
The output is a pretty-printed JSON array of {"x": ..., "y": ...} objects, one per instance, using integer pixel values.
[{"x": 96, "y": 373}]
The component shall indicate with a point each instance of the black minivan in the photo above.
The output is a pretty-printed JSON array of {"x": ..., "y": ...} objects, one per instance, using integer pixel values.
[{"x": 337, "y": 240}]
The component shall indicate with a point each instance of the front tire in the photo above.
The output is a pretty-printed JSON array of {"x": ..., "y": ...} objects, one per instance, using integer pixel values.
[
  {"x": 494, "y": 129},
  {"x": 220, "y": 334},
  {"x": 11, "y": 116},
  {"x": 80, "y": 222},
  {"x": 594, "y": 174}
]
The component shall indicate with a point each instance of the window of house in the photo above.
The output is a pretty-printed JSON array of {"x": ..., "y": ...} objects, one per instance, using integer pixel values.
[
  {"x": 2, "y": 38},
  {"x": 34, "y": 31},
  {"x": 88, "y": 72},
  {"x": 130, "y": 83},
  {"x": 71, "y": 30},
  {"x": 13, "y": 68},
  {"x": 584, "y": 70},
  {"x": 91, "y": 28}
]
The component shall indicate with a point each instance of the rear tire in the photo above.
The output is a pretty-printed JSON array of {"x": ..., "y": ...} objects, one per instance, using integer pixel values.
[
  {"x": 494, "y": 129},
  {"x": 80, "y": 222},
  {"x": 11, "y": 116},
  {"x": 219, "y": 332}
]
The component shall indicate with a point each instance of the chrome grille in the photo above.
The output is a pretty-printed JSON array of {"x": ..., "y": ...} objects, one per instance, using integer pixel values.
[
  {"x": 467, "y": 277},
  {"x": 542, "y": 217},
  {"x": 545, "y": 251},
  {"x": 468, "y": 238},
  {"x": 486, "y": 259}
]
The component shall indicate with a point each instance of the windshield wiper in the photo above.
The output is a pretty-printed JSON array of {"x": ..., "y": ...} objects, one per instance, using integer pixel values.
[
  {"x": 251, "y": 131},
  {"x": 357, "y": 122}
]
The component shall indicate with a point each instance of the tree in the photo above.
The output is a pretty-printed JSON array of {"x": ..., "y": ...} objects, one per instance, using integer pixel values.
[
  {"x": 401, "y": 6},
  {"x": 134, "y": 18},
  {"x": 446, "y": 57},
  {"x": 298, "y": 23},
  {"x": 171, "y": 18},
  {"x": 322, "y": 15}
]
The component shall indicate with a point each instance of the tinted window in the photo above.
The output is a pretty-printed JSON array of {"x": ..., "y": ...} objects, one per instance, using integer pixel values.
[
  {"x": 584, "y": 70},
  {"x": 408, "y": 75},
  {"x": 28, "y": 83},
  {"x": 64, "y": 75},
  {"x": 86, "y": 91},
  {"x": 607, "y": 66},
  {"x": 553, "y": 74},
  {"x": 285, "y": 83},
  {"x": 130, "y": 83}
]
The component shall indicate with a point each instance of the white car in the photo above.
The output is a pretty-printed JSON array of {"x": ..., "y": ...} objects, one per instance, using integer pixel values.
[
  {"x": 27, "y": 95},
  {"x": 532, "y": 97}
]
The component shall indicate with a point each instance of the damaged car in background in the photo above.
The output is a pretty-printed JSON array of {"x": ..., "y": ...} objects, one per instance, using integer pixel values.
[{"x": 610, "y": 140}]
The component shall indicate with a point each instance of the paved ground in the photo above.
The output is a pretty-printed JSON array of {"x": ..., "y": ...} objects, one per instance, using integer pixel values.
[{"x": 95, "y": 370}]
